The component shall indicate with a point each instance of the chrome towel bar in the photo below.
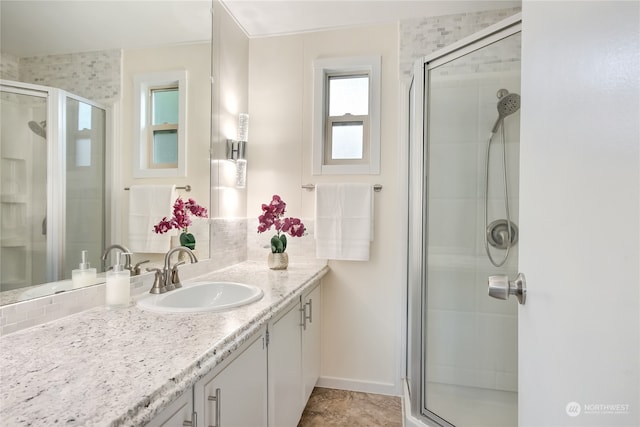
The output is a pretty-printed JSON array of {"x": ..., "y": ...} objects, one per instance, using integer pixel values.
[
  {"x": 185, "y": 188},
  {"x": 377, "y": 187}
]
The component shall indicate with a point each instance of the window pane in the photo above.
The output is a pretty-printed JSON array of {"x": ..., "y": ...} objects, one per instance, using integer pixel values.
[
  {"x": 83, "y": 152},
  {"x": 349, "y": 95},
  {"x": 164, "y": 106},
  {"x": 165, "y": 146},
  {"x": 346, "y": 141},
  {"x": 84, "y": 116}
]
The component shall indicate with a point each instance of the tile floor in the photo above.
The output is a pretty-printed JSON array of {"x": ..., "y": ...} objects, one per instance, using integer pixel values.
[{"x": 337, "y": 408}]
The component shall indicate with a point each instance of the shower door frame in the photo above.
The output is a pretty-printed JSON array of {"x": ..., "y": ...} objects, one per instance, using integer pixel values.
[
  {"x": 416, "y": 117},
  {"x": 56, "y": 169}
]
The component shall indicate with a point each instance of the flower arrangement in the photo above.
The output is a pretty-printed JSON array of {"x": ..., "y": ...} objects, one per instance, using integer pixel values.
[
  {"x": 272, "y": 216},
  {"x": 181, "y": 221}
]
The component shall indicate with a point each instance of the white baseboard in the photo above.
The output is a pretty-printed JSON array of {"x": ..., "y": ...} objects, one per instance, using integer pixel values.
[{"x": 355, "y": 385}]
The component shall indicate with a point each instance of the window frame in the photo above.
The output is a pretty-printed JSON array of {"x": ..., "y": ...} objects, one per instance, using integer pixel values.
[
  {"x": 324, "y": 69},
  {"x": 144, "y": 84}
]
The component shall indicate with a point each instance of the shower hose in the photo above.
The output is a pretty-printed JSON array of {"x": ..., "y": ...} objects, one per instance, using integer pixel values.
[{"x": 506, "y": 200}]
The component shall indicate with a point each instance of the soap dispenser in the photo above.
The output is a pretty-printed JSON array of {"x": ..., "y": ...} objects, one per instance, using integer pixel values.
[
  {"x": 118, "y": 287},
  {"x": 84, "y": 275}
]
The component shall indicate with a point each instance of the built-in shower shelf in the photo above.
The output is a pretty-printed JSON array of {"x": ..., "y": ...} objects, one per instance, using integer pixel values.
[
  {"x": 13, "y": 242},
  {"x": 14, "y": 198}
]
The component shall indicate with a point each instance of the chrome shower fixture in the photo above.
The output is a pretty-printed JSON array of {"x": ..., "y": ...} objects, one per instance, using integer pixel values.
[
  {"x": 39, "y": 129},
  {"x": 498, "y": 234},
  {"x": 502, "y": 233},
  {"x": 508, "y": 104}
]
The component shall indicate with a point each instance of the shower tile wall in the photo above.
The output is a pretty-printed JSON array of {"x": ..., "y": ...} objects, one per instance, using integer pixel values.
[
  {"x": 470, "y": 327},
  {"x": 421, "y": 36},
  {"x": 92, "y": 75},
  {"x": 8, "y": 67}
]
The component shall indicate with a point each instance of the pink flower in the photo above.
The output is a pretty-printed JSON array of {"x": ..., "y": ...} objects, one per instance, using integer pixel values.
[
  {"x": 180, "y": 219},
  {"x": 272, "y": 216},
  {"x": 163, "y": 226}
]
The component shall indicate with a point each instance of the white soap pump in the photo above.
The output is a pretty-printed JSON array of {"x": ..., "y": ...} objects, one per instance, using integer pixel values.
[
  {"x": 84, "y": 275},
  {"x": 118, "y": 287}
]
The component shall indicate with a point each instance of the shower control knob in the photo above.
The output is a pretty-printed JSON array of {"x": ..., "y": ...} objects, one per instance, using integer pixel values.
[{"x": 501, "y": 287}]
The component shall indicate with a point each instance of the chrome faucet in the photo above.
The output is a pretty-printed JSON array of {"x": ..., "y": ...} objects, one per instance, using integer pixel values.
[
  {"x": 125, "y": 251},
  {"x": 171, "y": 273},
  {"x": 167, "y": 278}
]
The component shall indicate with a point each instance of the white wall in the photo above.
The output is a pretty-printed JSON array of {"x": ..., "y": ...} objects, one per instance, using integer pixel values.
[
  {"x": 361, "y": 300},
  {"x": 579, "y": 331},
  {"x": 230, "y": 71}
]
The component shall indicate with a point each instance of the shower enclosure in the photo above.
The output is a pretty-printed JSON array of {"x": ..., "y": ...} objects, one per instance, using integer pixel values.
[
  {"x": 463, "y": 103},
  {"x": 52, "y": 205}
]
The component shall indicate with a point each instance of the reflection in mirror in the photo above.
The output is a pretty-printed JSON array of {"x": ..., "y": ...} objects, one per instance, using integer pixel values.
[
  {"x": 52, "y": 187},
  {"x": 61, "y": 82}
]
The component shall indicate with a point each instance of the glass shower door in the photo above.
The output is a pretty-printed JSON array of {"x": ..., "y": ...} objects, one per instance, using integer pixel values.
[
  {"x": 23, "y": 183},
  {"x": 85, "y": 211},
  {"x": 470, "y": 352}
]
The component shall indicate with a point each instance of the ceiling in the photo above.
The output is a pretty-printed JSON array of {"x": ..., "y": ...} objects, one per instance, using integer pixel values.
[
  {"x": 26, "y": 26},
  {"x": 261, "y": 18}
]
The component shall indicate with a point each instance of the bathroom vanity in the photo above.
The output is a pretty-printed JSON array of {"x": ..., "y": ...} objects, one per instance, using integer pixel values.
[{"x": 254, "y": 365}]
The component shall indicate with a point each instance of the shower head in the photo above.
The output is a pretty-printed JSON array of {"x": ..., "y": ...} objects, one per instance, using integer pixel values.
[
  {"x": 39, "y": 129},
  {"x": 508, "y": 104}
]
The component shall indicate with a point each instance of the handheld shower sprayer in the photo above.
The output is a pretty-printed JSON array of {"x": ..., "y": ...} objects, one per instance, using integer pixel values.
[{"x": 508, "y": 104}]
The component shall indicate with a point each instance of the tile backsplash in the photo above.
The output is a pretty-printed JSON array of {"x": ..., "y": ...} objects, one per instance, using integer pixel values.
[
  {"x": 25, "y": 314},
  {"x": 229, "y": 235}
]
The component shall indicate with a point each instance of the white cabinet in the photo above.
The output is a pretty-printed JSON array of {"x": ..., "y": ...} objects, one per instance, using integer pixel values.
[
  {"x": 294, "y": 358},
  {"x": 285, "y": 368},
  {"x": 178, "y": 414},
  {"x": 310, "y": 341},
  {"x": 265, "y": 382},
  {"x": 235, "y": 393}
]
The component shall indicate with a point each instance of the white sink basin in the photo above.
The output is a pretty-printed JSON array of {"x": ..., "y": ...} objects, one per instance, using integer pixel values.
[{"x": 202, "y": 297}]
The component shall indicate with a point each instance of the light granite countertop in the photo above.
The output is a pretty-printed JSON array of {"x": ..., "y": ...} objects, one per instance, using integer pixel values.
[{"x": 102, "y": 367}]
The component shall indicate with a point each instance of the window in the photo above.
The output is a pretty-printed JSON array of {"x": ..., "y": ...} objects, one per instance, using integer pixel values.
[
  {"x": 161, "y": 124},
  {"x": 346, "y": 136}
]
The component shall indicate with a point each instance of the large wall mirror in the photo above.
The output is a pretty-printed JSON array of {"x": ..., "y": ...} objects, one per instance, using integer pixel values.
[{"x": 67, "y": 71}]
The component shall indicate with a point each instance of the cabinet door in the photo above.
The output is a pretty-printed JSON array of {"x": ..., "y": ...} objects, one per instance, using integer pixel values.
[
  {"x": 285, "y": 370},
  {"x": 237, "y": 396},
  {"x": 177, "y": 414},
  {"x": 311, "y": 341}
]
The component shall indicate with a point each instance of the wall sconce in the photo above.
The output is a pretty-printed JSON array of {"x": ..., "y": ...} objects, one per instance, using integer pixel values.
[{"x": 236, "y": 150}]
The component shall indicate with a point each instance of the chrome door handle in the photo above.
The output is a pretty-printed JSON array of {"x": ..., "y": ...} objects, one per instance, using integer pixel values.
[{"x": 501, "y": 287}]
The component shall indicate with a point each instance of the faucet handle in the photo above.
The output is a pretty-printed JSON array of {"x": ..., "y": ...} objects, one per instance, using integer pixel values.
[
  {"x": 158, "y": 283},
  {"x": 136, "y": 269},
  {"x": 175, "y": 279}
]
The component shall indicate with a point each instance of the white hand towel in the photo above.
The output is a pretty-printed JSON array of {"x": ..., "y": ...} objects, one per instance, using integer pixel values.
[
  {"x": 344, "y": 221},
  {"x": 148, "y": 204}
]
